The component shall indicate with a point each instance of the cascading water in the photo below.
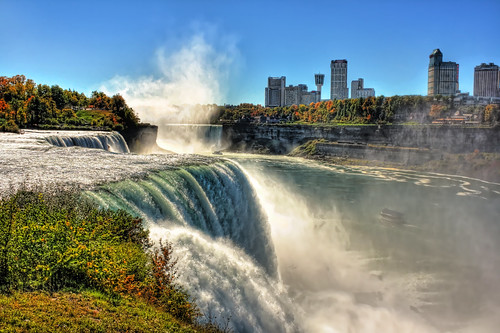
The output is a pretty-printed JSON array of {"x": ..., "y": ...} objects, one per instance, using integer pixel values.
[
  {"x": 215, "y": 199},
  {"x": 190, "y": 138},
  {"x": 436, "y": 270},
  {"x": 112, "y": 142},
  {"x": 220, "y": 235}
]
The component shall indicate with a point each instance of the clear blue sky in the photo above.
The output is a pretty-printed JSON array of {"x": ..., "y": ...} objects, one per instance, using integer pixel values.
[{"x": 83, "y": 44}]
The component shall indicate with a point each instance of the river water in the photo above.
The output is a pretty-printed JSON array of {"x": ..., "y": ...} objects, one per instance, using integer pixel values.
[{"x": 277, "y": 244}]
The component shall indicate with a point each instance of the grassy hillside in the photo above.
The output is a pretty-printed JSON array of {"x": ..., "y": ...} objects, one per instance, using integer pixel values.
[{"x": 67, "y": 266}]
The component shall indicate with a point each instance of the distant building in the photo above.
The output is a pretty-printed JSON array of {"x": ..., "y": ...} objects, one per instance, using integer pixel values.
[
  {"x": 358, "y": 90},
  {"x": 275, "y": 91},
  {"x": 277, "y": 94},
  {"x": 299, "y": 95},
  {"x": 339, "y": 88},
  {"x": 487, "y": 80},
  {"x": 319, "y": 80},
  {"x": 443, "y": 76}
]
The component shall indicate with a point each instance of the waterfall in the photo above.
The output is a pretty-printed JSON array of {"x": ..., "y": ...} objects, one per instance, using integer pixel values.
[
  {"x": 221, "y": 236},
  {"x": 216, "y": 199},
  {"x": 113, "y": 141},
  {"x": 190, "y": 138}
]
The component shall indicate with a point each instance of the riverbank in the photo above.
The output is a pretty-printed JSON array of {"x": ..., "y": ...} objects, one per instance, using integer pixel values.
[{"x": 485, "y": 166}]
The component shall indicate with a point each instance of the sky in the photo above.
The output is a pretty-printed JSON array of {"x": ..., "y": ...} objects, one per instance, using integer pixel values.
[{"x": 223, "y": 51}]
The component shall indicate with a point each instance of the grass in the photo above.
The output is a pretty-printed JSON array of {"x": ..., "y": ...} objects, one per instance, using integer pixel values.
[{"x": 86, "y": 311}]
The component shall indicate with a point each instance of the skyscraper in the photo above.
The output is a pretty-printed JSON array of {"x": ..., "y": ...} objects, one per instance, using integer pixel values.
[
  {"x": 487, "y": 80},
  {"x": 275, "y": 91},
  {"x": 443, "y": 76},
  {"x": 338, "y": 86}
]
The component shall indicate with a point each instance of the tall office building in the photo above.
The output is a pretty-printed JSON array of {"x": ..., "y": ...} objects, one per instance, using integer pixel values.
[
  {"x": 338, "y": 86},
  {"x": 275, "y": 91},
  {"x": 487, "y": 80},
  {"x": 443, "y": 76},
  {"x": 358, "y": 90}
]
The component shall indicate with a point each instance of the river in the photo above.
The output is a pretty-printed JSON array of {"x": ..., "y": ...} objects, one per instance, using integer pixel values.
[{"x": 275, "y": 244}]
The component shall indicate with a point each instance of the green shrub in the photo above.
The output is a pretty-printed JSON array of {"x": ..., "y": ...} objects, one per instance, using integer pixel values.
[
  {"x": 56, "y": 241},
  {"x": 8, "y": 126}
]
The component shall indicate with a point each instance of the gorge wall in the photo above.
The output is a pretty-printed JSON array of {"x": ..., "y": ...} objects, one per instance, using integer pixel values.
[{"x": 281, "y": 139}]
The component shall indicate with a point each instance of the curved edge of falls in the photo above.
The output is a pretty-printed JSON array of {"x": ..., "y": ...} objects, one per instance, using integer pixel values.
[
  {"x": 221, "y": 237},
  {"x": 113, "y": 141},
  {"x": 216, "y": 199}
]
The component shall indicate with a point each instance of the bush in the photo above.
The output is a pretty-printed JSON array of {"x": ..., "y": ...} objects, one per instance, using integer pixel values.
[
  {"x": 55, "y": 241},
  {"x": 8, "y": 126}
]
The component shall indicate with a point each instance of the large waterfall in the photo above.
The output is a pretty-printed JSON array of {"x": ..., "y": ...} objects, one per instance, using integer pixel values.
[
  {"x": 221, "y": 235},
  {"x": 215, "y": 199}
]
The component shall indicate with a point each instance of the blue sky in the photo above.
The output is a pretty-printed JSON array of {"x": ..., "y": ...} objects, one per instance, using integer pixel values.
[{"x": 83, "y": 45}]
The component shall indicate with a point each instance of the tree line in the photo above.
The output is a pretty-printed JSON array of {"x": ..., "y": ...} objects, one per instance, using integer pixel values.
[
  {"x": 25, "y": 104},
  {"x": 370, "y": 110}
]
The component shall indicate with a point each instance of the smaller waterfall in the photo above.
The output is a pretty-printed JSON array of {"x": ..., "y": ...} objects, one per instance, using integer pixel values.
[
  {"x": 190, "y": 138},
  {"x": 112, "y": 142}
]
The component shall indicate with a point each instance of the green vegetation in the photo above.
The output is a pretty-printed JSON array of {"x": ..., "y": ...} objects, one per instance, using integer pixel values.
[
  {"x": 56, "y": 243},
  {"x": 308, "y": 149},
  {"x": 24, "y": 104},
  {"x": 370, "y": 110},
  {"x": 87, "y": 311}
]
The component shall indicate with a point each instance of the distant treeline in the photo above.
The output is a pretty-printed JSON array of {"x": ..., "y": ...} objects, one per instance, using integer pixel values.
[
  {"x": 25, "y": 104},
  {"x": 370, "y": 110}
]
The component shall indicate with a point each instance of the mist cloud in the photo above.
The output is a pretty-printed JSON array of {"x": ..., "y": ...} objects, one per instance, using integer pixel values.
[{"x": 195, "y": 73}]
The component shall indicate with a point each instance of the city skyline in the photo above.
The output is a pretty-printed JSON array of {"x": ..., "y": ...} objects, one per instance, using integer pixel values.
[{"x": 231, "y": 49}]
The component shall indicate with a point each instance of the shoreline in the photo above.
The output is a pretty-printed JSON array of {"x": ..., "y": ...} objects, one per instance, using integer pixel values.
[{"x": 482, "y": 166}]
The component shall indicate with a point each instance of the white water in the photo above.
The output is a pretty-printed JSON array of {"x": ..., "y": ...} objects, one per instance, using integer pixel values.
[
  {"x": 302, "y": 249},
  {"x": 190, "y": 138},
  {"x": 30, "y": 159},
  {"x": 112, "y": 142}
]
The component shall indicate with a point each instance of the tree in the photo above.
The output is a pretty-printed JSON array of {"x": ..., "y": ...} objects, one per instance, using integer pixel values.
[
  {"x": 491, "y": 113},
  {"x": 59, "y": 97}
]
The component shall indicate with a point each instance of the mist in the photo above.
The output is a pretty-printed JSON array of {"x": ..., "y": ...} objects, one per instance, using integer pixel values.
[{"x": 187, "y": 84}]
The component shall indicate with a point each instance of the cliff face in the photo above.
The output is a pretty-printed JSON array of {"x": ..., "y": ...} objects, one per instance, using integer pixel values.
[
  {"x": 281, "y": 139},
  {"x": 141, "y": 139}
]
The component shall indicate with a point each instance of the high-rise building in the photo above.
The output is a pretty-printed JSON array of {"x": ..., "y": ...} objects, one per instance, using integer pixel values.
[
  {"x": 275, "y": 91},
  {"x": 338, "y": 86},
  {"x": 358, "y": 90},
  {"x": 443, "y": 76},
  {"x": 487, "y": 80}
]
